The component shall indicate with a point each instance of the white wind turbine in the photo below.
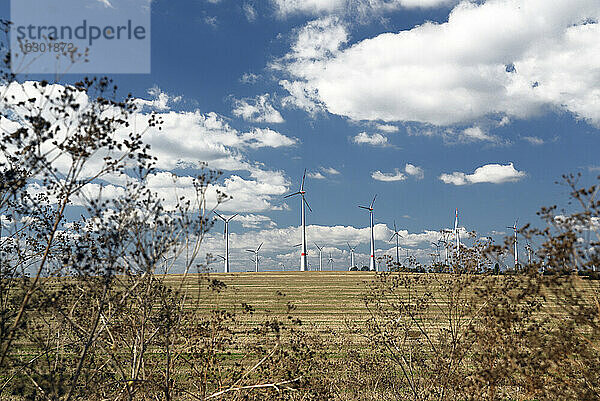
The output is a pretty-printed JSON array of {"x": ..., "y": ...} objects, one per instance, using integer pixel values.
[
  {"x": 457, "y": 234},
  {"x": 226, "y": 236},
  {"x": 255, "y": 252},
  {"x": 398, "y": 236},
  {"x": 352, "y": 264},
  {"x": 303, "y": 258},
  {"x": 444, "y": 240},
  {"x": 320, "y": 257},
  {"x": 330, "y": 261},
  {"x": 514, "y": 228},
  {"x": 529, "y": 250},
  {"x": 372, "y": 265}
]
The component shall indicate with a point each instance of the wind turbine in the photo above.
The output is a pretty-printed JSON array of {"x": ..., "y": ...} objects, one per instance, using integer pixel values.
[
  {"x": 255, "y": 252},
  {"x": 352, "y": 264},
  {"x": 528, "y": 247},
  {"x": 444, "y": 240},
  {"x": 330, "y": 261},
  {"x": 398, "y": 236},
  {"x": 372, "y": 266},
  {"x": 437, "y": 247},
  {"x": 514, "y": 228},
  {"x": 320, "y": 257},
  {"x": 226, "y": 236},
  {"x": 303, "y": 259},
  {"x": 457, "y": 234}
]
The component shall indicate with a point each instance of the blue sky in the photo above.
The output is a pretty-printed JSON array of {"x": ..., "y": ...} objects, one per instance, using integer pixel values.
[{"x": 430, "y": 104}]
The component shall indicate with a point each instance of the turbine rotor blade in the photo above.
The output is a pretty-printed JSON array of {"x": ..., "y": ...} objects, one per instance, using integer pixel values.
[
  {"x": 304, "y": 199},
  {"x": 221, "y": 217},
  {"x": 250, "y": 250},
  {"x": 372, "y": 202},
  {"x": 303, "y": 177},
  {"x": 258, "y": 249},
  {"x": 364, "y": 207},
  {"x": 295, "y": 193},
  {"x": 231, "y": 218}
]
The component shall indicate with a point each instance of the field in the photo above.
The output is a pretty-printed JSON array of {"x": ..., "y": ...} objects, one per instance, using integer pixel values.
[{"x": 323, "y": 299}]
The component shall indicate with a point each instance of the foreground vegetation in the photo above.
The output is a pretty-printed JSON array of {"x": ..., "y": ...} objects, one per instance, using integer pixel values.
[{"x": 89, "y": 311}]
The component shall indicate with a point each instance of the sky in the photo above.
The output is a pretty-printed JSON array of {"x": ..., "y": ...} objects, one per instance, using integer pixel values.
[{"x": 431, "y": 105}]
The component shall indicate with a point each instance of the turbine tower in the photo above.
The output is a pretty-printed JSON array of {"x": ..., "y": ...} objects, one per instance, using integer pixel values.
[
  {"x": 457, "y": 234},
  {"x": 372, "y": 265},
  {"x": 303, "y": 259},
  {"x": 444, "y": 240},
  {"x": 320, "y": 257},
  {"x": 330, "y": 261},
  {"x": 352, "y": 264},
  {"x": 528, "y": 247},
  {"x": 514, "y": 228},
  {"x": 398, "y": 236},
  {"x": 255, "y": 252},
  {"x": 437, "y": 248},
  {"x": 226, "y": 236}
]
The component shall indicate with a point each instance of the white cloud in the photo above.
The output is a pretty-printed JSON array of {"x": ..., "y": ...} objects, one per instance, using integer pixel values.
[
  {"x": 360, "y": 8},
  {"x": 316, "y": 175},
  {"x": 473, "y": 134},
  {"x": 302, "y": 96},
  {"x": 106, "y": 3},
  {"x": 279, "y": 244},
  {"x": 415, "y": 171},
  {"x": 254, "y": 221},
  {"x": 375, "y": 139},
  {"x": 186, "y": 139},
  {"x": 250, "y": 12},
  {"x": 437, "y": 74},
  {"x": 258, "y": 110},
  {"x": 160, "y": 100},
  {"x": 397, "y": 175},
  {"x": 387, "y": 128},
  {"x": 534, "y": 140},
  {"x": 490, "y": 173},
  {"x": 249, "y": 78},
  {"x": 330, "y": 170},
  {"x": 266, "y": 137},
  {"x": 388, "y": 177}
]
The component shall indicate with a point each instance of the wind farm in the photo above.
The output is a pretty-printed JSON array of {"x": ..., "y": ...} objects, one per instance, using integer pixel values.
[{"x": 439, "y": 250}]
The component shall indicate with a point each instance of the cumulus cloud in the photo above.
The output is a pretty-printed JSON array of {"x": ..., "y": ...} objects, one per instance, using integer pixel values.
[
  {"x": 185, "y": 140},
  {"x": 258, "y": 110},
  {"x": 361, "y": 8},
  {"x": 490, "y": 173},
  {"x": 415, "y": 171},
  {"x": 476, "y": 134},
  {"x": 397, "y": 175},
  {"x": 160, "y": 101},
  {"x": 266, "y": 137},
  {"x": 387, "y": 128},
  {"x": 279, "y": 244},
  {"x": 437, "y": 74},
  {"x": 388, "y": 177},
  {"x": 374, "y": 140}
]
